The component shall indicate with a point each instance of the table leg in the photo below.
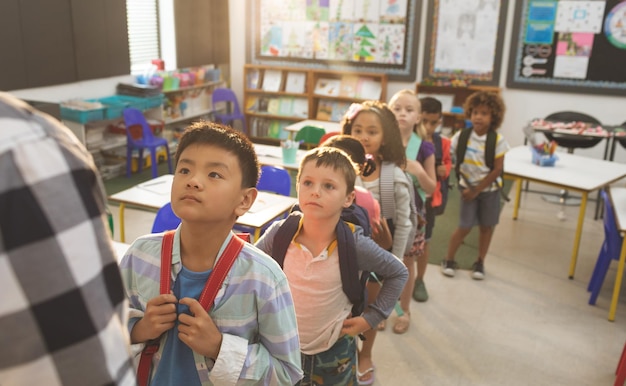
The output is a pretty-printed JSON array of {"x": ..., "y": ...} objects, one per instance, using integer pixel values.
[
  {"x": 579, "y": 232},
  {"x": 122, "y": 231},
  {"x": 518, "y": 195},
  {"x": 618, "y": 281}
]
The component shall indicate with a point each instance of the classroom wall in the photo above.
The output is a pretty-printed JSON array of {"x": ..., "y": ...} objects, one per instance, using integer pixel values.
[{"x": 522, "y": 105}]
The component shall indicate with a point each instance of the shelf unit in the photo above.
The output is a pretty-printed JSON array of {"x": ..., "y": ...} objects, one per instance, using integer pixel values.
[
  {"x": 276, "y": 96},
  {"x": 187, "y": 103},
  {"x": 458, "y": 95}
]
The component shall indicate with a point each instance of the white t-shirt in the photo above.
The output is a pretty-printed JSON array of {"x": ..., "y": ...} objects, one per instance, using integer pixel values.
[{"x": 474, "y": 168}]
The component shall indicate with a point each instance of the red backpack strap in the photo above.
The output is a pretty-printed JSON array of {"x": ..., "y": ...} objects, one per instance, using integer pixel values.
[
  {"x": 212, "y": 286},
  {"x": 220, "y": 270},
  {"x": 152, "y": 346}
]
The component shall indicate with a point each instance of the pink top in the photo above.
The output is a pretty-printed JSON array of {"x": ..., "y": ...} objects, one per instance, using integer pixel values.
[{"x": 365, "y": 199}]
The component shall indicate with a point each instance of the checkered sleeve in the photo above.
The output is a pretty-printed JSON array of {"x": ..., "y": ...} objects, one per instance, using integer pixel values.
[{"x": 62, "y": 303}]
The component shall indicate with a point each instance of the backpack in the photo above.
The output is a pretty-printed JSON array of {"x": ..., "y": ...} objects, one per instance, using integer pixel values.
[
  {"x": 388, "y": 203},
  {"x": 490, "y": 153},
  {"x": 444, "y": 183},
  {"x": 354, "y": 286}
]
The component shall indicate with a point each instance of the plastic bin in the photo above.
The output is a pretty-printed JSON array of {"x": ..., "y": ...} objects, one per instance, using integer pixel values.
[
  {"x": 543, "y": 159},
  {"x": 82, "y": 116}
]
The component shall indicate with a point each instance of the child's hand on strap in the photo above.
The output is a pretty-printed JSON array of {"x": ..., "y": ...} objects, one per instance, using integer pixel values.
[
  {"x": 159, "y": 317},
  {"x": 198, "y": 331}
]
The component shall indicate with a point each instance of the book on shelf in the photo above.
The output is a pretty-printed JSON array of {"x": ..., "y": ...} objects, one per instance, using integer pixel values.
[
  {"x": 324, "y": 110},
  {"x": 252, "y": 80},
  {"x": 286, "y": 106},
  {"x": 252, "y": 104},
  {"x": 263, "y": 104},
  {"x": 300, "y": 108},
  {"x": 327, "y": 86},
  {"x": 272, "y": 80},
  {"x": 368, "y": 88},
  {"x": 273, "y": 107},
  {"x": 347, "y": 87},
  {"x": 296, "y": 82},
  {"x": 339, "y": 109}
]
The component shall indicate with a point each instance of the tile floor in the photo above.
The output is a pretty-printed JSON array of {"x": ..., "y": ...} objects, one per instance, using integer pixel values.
[{"x": 525, "y": 324}]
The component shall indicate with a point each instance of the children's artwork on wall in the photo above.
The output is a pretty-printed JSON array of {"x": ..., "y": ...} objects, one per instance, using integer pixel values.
[
  {"x": 359, "y": 35},
  {"x": 569, "y": 46},
  {"x": 465, "y": 40}
]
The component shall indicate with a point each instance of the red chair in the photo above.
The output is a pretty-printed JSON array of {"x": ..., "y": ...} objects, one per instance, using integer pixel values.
[
  {"x": 141, "y": 140},
  {"x": 328, "y": 135},
  {"x": 620, "y": 373}
]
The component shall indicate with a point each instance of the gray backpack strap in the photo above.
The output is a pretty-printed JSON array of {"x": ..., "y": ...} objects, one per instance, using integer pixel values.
[{"x": 387, "y": 193}]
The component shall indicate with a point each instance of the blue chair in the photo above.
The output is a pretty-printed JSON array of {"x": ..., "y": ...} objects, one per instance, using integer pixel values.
[
  {"x": 232, "y": 112},
  {"x": 610, "y": 249},
  {"x": 165, "y": 219},
  {"x": 275, "y": 180},
  {"x": 141, "y": 140}
]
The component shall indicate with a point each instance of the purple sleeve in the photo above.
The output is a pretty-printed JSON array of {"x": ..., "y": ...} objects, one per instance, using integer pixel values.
[{"x": 426, "y": 150}]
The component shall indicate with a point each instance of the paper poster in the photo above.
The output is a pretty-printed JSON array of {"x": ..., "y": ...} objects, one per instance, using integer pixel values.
[
  {"x": 579, "y": 16},
  {"x": 466, "y": 36}
]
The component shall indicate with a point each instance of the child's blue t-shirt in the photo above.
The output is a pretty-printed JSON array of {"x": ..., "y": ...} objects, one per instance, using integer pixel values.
[{"x": 177, "y": 365}]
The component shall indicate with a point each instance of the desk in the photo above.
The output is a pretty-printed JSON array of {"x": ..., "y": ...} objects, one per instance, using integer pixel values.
[
  {"x": 571, "y": 172},
  {"x": 618, "y": 199},
  {"x": 273, "y": 156},
  {"x": 153, "y": 194},
  {"x": 328, "y": 126}
]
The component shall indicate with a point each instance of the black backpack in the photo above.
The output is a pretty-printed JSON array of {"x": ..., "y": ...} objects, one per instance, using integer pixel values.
[
  {"x": 445, "y": 183},
  {"x": 490, "y": 153},
  {"x": 353, "y": 285}
]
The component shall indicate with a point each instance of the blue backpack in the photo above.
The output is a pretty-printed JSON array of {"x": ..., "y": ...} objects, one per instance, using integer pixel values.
[{"x": 354, "y": 286}]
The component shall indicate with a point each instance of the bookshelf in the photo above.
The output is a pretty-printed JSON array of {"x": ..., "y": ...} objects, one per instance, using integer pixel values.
[
  {"x": 451, "y": 96},
  {"x": 275, "y": 96},
  {"x": 334, "y": 91}
]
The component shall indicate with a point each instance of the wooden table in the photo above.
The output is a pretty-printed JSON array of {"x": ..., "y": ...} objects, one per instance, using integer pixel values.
[
  {"x": 273, "y": 155},
  {"x": 570, "y": 172},
  {"x": 618, "y": 199},
  {"x": 155, "y": 193}
]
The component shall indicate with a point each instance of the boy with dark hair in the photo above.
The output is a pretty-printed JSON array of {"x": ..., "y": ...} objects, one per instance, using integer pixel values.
[
  {"x": 480, "y": 184},
  {"x": 325, "y": 185},
  {"x": 250, "y": 336}
]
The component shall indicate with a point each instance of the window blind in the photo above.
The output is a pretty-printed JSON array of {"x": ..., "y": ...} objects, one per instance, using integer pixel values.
[{"x": 143, "y": 34}]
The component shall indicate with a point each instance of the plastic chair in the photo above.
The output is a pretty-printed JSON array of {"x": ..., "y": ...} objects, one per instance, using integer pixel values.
[
  {"x": 310, "y": 136},
  {"x": 145, "y": 140},
  {"x": 227, "y": 96},
  {"x": 275, "y": 180},
  {"x": 610, "y": 249},
  {"x": 165, "y": 219},
  {"x": 568, "y": 141},
  {"x": 328, "y": 135}
]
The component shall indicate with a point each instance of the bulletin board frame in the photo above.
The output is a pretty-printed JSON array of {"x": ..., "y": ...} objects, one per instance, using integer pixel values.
[
  {"x": 487, "y": 77},
  {"x": 404, "y": 70},
  {"x": 604, "y": 74}
]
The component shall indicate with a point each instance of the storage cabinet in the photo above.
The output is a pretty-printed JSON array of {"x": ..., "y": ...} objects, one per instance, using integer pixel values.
[
  {"x": 452, "y": 97},
  {"x": 275, "y": 96}
]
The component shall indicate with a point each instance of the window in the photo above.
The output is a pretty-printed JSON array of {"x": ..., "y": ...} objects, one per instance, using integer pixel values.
[{"x": 143, "y": 34}]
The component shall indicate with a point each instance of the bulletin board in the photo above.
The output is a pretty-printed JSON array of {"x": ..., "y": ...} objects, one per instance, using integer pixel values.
[
  {"x": 569, "y": 46},
  {"x": 357, "y": 35},
  {"x": 465, "y": 40}
]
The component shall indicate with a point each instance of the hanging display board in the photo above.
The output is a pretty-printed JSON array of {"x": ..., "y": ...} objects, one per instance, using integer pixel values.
[
  {"x": 569, "y": 46},
  {"x": 360, "y": 35},
  {"x": 465, "y": 40}
]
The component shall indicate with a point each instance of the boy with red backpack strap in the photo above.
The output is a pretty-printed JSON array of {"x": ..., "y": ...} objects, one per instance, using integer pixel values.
[{"x": 247, "y": 335}]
